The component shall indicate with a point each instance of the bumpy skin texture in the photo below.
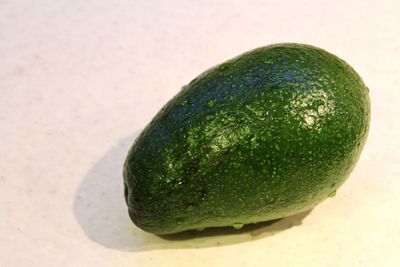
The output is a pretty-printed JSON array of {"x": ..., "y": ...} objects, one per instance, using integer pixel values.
[{"x": 268, "y": 134}]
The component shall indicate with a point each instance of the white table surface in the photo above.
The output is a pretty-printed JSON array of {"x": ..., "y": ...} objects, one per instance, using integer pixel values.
[{"x": 80, "y": 79}]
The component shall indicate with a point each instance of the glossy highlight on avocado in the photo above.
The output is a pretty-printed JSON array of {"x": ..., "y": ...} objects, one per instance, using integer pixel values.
[{"x": 267, "y": 134}]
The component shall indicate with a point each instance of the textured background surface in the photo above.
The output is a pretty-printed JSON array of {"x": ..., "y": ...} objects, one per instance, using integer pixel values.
[{"x": 80, "y": 79}]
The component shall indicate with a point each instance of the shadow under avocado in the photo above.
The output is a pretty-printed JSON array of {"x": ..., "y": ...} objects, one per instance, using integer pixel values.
[
  {"x": 254, "y": 231},
  {"x": 100, "y": 209}
]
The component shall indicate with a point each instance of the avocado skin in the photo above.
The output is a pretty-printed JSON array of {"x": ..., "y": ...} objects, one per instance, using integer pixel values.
[{"x": 268, "y": 134}]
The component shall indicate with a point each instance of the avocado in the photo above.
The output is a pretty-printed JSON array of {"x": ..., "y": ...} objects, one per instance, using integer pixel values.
[{"x": 265, "y": 135}]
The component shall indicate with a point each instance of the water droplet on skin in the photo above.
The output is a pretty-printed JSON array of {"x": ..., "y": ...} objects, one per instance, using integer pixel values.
[
  {"x": 212, "y": 103},
  {"x": 238, "y": 226},
  {"x": 309, "y": 120},
  {"x": 322, "y": 110},
  {"x": 332, "y": 194}
]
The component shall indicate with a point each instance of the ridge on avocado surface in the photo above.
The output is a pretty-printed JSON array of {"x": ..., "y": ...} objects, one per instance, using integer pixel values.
[{"x": 267, "y": 134}]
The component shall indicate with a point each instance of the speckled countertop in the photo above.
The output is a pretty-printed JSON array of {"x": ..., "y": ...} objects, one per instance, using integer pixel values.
[{"x": 80, "y": 79}]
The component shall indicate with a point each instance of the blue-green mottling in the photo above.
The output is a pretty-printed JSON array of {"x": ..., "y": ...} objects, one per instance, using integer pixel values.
[{"x": 265, "y": 135}]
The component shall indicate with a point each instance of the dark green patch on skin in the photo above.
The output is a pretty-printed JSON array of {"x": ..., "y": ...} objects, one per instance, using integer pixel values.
[{"x": 268, "y": 134}]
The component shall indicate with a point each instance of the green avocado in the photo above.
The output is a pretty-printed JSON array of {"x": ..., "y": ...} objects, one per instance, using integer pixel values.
[{"x": 267, "y": 134}]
